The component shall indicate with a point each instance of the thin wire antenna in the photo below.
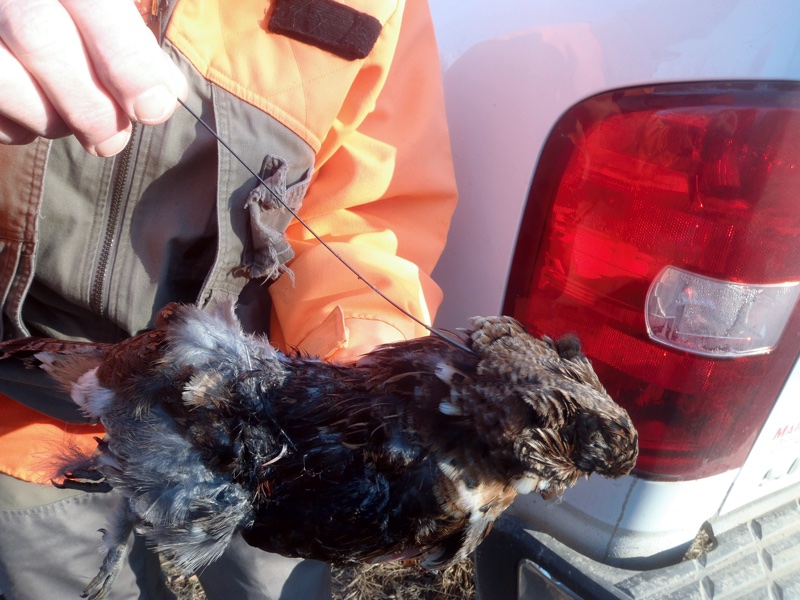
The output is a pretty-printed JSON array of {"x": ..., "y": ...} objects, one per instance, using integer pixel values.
[{"x": 325, "y": 244}]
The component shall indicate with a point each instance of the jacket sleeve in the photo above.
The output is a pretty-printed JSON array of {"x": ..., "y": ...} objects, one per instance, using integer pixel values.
[{"x": 382, "y": 197}]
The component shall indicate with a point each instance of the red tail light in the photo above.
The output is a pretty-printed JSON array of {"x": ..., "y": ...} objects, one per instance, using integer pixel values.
[{"x": 671, "y": 246}]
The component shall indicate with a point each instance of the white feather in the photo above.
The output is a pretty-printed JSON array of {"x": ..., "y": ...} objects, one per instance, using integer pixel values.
[
  {"x": 87, "y": 393},
  {"x": 451, "y": 410},
  {"x": 526, "y": 485}
]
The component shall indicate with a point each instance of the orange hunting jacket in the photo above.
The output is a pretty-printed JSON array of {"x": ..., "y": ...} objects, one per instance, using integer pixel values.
[{"x": 366, "y": 153}]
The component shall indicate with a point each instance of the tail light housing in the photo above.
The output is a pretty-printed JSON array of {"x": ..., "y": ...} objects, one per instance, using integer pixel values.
[{"x": 663, "y": 227}]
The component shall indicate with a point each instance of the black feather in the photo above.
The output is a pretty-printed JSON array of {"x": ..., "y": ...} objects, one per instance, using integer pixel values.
[{"x": 411, "y": 452}]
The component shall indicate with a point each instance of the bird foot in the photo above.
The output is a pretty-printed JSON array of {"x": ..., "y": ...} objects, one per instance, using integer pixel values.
[
  {"x": 112, "y": 565},
  {"x": 115, "y": 539},
  {"x": 84, "y": 480}
]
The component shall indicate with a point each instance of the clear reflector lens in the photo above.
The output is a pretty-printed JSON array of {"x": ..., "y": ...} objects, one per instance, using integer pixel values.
[{"x": 719, "y": 318}]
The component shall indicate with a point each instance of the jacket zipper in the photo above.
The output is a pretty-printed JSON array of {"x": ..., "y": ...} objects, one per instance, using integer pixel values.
[
  {"x": 160, "y": 13},
  {"x": 97, "y": 293}
]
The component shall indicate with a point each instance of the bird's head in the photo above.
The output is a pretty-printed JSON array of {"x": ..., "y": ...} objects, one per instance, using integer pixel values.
[{"x": 548, "y": 407}]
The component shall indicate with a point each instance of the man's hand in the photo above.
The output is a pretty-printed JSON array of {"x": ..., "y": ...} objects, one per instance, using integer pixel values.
[{"x": 82, "y": 67}]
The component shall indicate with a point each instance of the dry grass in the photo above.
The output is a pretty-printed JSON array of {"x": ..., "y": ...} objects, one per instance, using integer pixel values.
[
  {"x": 184, "y": 588},
  {"x": 388, "y": 581},
  {"x": 393, "y": 581}
]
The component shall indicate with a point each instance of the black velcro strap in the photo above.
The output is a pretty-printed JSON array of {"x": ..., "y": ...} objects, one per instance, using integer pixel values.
[{"x": 326, "y": 24}]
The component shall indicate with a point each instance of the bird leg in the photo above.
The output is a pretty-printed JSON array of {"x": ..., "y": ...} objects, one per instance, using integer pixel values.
[{"x": 115, "y": 540}]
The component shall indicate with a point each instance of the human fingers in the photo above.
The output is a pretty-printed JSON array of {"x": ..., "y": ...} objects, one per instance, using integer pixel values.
[
  {"x": 25, "y": 112},
  {"x": 127, "y": 59},
  {"x": 61, "y": 86}
]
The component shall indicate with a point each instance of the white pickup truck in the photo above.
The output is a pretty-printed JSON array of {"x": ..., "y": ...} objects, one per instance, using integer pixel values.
[{"x": 629, "y": 171}]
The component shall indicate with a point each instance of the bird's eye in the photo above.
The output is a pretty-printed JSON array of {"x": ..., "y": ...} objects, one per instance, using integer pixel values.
[{"x": 568, "y": 347}]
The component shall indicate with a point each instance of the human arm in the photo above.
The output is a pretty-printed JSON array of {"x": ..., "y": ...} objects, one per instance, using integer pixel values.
[{"x": 382, "y": 196}]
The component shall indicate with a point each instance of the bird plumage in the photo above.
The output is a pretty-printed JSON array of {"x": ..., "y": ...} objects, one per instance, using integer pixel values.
[{"x": 412, "y": 452}]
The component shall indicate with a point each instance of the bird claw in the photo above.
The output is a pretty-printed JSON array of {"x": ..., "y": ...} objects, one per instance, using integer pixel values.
[
  {"x": 85, "y": 474},
  {"x": 102, "y": 582},
  {"x": 84, "y": 480},
  {"x": 82, "y": 486}
]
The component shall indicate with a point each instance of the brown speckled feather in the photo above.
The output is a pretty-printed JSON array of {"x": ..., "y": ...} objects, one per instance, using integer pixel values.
[{"x": 413, "y": 451}]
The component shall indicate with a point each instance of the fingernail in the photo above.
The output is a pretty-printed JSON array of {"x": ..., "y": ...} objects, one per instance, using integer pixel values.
[
  {"x": 154, "y": 105},
  {"x": 113, "y": 145}
]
